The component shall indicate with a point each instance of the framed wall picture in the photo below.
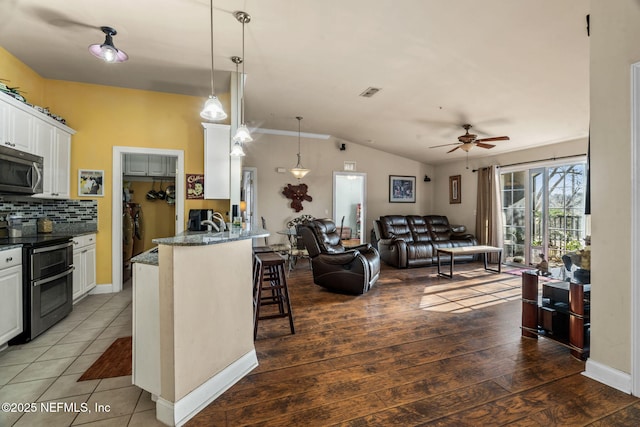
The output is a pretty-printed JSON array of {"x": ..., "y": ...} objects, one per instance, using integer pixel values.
[
  {"x": 454, "y": 189},
  {"x": 90, "y": 183},
  {"x": 402, "y": 189},
  {"x": 195, "y": 186}
]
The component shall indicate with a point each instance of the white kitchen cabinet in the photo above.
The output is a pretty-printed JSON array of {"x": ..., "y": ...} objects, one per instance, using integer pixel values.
[
  {"x": 171, "y": 165},
  {"x": 149, "y": 165},
  {"x": 26, "y": 129},
  {"x": 217, "y": 162},
  {"x": 84, "y": 263},
  {"x": 20, "y": 130},
  {"x": 10, "y": 294},
  {"x": 54, "y": 145}
]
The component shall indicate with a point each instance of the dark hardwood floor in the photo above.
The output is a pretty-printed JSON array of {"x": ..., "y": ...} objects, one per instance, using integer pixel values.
[{"x": 416, "y": 350}]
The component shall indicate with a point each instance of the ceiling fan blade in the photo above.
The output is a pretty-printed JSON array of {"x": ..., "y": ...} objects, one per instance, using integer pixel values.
[
  {"x": 483, "y": 145},
  {"x": 495, "y": 138},
  {"x": 445, "y": 145},
  {"x": 454, "y": 149}
]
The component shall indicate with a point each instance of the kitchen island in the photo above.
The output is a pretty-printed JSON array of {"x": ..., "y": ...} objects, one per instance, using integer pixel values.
[{"x": 193, "y": 319}]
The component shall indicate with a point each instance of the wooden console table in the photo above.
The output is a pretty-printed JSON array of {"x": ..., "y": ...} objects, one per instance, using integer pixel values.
[{"x": 561, "y": 313}]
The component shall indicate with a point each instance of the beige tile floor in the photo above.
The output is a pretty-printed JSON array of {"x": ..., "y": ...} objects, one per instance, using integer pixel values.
[{"x": 46, "y": 370}]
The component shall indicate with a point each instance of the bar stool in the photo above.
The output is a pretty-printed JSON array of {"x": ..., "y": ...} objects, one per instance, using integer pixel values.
[{"x": 270, "y": 288}]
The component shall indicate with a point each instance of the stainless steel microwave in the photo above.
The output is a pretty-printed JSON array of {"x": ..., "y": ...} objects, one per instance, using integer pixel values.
[{"x": 20, "y": 172}]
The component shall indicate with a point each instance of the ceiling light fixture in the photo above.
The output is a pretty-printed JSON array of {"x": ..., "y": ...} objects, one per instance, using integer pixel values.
[
  {"x": 212, "y": 107},
  {"x": 107, "y": 51},
  {"x": 242, "y": 133},
  {"x": 299, "y": 172},
  {"x": 236, "y": 149}
]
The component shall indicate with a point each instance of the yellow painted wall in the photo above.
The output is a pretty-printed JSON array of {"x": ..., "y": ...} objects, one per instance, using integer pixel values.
[
  {"x": 106, "y": 116},
  {"x": 19, "y": 75}
]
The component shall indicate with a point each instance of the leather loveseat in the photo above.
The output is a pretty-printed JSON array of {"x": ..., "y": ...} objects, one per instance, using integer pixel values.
[{"x": 412, "y": 240}]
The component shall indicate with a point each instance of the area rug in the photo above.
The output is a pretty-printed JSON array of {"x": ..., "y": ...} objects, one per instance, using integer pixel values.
[{"x": 114, "y": 362}]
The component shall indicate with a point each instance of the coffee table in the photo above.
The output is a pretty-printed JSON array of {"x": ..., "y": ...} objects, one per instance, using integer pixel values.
[{"x": 468, "y": 250}]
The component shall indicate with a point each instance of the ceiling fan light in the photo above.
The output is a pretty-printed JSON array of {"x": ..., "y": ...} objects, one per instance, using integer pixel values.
[
  {"x": 299, "y": 172},
  {"x": 236, "y": 150},
  {"x": 242, "y": 135},
  {"x": 213, "y": 109},
  {"x": 467, "y": 146}
]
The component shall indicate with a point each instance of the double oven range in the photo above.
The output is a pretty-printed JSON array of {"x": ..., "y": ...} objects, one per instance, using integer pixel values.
[{"x": 47, "y": 280}]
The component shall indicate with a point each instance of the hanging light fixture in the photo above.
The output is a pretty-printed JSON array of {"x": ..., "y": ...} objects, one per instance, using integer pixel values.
[
  {"x": 236, "y": 149},
  {"x": 242, "y": 133},
  {"x": 107, "y": 51},
  {"x": 299, "y": 172},
  {"x": 212, "y": 107}
]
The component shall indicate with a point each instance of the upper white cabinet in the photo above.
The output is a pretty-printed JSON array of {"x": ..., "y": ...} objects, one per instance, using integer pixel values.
[
  {"x": 54, "y": 145},
  {"x": 149, "y": 165},
  {"x": 26, "y": 129},
  {"x": 217, "y": 163}
]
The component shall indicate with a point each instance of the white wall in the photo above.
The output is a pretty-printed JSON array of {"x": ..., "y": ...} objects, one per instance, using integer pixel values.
[
  {"x": 614, "y": 47},
  {"x": 465, "y": 212},
  {"x": 323, "y": 157}
]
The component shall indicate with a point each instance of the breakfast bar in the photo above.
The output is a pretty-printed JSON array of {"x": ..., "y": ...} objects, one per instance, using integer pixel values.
[{"x": 193, "y": 319}]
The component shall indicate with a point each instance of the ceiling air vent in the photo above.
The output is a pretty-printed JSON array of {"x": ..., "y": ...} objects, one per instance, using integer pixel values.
[{"x": 370, "y": 91}]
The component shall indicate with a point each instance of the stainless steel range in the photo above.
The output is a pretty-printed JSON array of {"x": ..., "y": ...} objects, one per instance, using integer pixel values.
[{"x": 47, "y": 267}]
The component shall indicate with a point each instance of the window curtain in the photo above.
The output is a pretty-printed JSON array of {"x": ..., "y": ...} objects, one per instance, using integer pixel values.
[{"x": 489, "y": 209}]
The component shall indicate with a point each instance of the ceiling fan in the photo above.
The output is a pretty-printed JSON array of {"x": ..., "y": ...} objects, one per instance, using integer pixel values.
[{"x": 468, "y": 140}]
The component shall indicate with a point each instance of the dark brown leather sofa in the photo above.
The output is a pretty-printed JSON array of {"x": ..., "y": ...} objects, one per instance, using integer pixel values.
[
  {"x": 353, "y": 271},
  {"x": 412, "y": 240}
]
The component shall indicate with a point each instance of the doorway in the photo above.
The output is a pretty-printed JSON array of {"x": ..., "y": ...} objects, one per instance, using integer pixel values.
[
  {"x": 349, "y": 204},
  {"x": 117, "y": 203},
  {"x": 543, "y": 211}
]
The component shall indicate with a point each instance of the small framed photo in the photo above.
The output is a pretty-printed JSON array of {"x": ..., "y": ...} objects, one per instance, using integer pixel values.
[
  {"x": 455, "y": 195},
  {"x": 402, "y": 189},
  {"x": 90, "y": 183}
]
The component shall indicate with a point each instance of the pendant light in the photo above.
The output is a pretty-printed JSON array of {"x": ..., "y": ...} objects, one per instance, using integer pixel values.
[
  {"x": 107, "y": 51},
  {"x": 242, "y": 133},
  {"x": 299, "y": 172},
  {"x": 212, "y": 107},
  {"x": 236, "y": 149}
]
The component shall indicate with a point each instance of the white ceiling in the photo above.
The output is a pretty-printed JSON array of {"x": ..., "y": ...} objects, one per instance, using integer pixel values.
[{"x": 509, "y": 67}]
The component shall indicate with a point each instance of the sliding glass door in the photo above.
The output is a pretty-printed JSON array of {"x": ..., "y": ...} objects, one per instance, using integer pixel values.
[{"x": 543, "y": 212}]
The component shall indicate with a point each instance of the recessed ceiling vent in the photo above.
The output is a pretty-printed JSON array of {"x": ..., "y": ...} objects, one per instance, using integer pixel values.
[{"x": 370, "y": 91}]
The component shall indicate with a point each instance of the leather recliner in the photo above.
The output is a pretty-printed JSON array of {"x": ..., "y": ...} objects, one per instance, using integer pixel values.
[{"x": 353, "y": 271}]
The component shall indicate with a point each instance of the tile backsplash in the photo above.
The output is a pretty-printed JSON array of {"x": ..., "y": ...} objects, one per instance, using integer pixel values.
[{"x": 59, "y": 211}]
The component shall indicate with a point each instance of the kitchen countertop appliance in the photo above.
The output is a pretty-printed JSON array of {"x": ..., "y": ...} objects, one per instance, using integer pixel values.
[{"x": 47, "y": 280}]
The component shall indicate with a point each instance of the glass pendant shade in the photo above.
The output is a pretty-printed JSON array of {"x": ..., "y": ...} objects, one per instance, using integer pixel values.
[
  {"x": 236, "y": 150},
  {"x": 107, "y": 51},
  {"x": 299, "y": 172},
  {"x": 466, "y": 147},
  {"x": 242, "y": 134},
  {"x": 213, "y": 109}
]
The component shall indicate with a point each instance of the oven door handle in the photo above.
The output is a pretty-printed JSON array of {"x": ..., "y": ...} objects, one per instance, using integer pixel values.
[
  {"x": 52, "y": 248},
  {"x": 52, "y": 278}
]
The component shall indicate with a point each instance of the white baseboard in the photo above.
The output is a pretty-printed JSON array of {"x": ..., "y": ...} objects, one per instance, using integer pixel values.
[
  {"x": 608, "y": 376},
  {"x": 106, "y": 288},
  {"x": 178, "y": 413}
]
